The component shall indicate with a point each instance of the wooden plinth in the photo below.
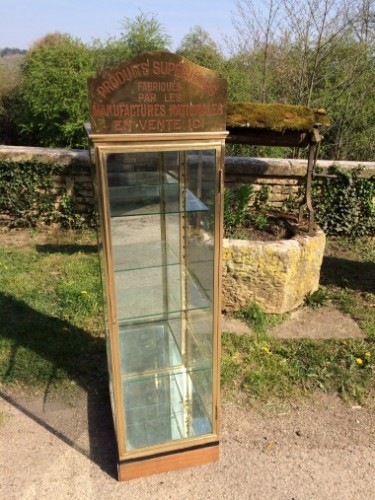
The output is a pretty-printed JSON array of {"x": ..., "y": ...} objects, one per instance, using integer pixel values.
[{"x": 154, "y": 465}]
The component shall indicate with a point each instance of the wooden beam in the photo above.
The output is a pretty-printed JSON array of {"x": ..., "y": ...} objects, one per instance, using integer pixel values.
[{"x": 261, "y": 137}]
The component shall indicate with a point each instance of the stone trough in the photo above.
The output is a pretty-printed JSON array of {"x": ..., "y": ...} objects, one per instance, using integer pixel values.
[{"x": 276, "y": 275}]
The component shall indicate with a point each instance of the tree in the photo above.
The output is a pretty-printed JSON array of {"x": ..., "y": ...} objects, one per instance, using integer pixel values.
[
  {"x": 111, "y": 52},
  {"x": 53, "y": 93},
  {"x": 316, "y": 53},
  {"x": 144, "y": 33},
  {"x": 10, "y": 78},
  {"x": 256, "y": 33},
  {"x": 199, "y": 47}
]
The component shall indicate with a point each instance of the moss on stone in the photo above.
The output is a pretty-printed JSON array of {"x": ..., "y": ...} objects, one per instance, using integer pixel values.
[{"x": 274, "y": 117}]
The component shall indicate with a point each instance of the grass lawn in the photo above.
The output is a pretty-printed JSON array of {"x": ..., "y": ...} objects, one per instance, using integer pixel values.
[{"x": 51, "y": 326}]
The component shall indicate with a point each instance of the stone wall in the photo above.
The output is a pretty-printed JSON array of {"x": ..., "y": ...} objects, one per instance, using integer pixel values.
[
  {"x": 75, "y": 178},
  {"x": 283, "y": 177}
]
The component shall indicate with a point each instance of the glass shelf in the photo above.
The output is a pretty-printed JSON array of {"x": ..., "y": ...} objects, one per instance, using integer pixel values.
[
  {"x": 162, "y": 402},
  {"x": 148, "y": 347},
  {"x": 127, "y": 201},
  {"x": 161, "y": 408},
  {"x": 151, "y": 348},
  {"x": 137, "y": 243},
  {"x": 140, "y": 293}
]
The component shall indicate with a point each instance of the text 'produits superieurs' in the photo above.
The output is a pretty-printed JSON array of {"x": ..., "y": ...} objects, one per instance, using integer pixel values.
[{"x": 157, "y": 69}]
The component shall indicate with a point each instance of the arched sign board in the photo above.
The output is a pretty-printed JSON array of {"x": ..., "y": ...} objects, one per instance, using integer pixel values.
[{"x": 157, "y": 92}]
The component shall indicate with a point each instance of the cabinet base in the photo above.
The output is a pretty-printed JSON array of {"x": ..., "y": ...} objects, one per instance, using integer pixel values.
[{"x": 132, "y": 469}]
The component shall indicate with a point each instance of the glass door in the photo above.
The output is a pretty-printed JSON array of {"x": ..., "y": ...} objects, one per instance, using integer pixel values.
[{"x": 161, "y": 210}]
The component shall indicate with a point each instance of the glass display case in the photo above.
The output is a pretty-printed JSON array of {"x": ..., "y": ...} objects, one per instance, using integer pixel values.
[{"x": 160, "y": 200}]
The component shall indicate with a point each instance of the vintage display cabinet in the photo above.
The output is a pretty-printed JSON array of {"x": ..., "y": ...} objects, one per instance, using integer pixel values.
[{"x": 158, "y": 132}]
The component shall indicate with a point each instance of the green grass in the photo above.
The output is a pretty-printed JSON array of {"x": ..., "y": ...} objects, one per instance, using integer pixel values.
[
  {"x": 275, "y": 369},
  {"x": 348, "y": 278},
  {"x": 258, "y": 320},
  {"x": 51, "y": 315}
]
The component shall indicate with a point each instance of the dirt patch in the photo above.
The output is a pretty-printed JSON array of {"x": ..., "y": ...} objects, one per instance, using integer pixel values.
[
  {"x": 51, "y": 236},
  {"x": 233, "y": 325},
  {"x": 316, "y": 449},
  {"x": 320, "y": 323}
]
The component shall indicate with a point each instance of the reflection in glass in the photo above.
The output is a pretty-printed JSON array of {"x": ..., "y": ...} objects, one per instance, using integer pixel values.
[{"x": 162, "y": 225}]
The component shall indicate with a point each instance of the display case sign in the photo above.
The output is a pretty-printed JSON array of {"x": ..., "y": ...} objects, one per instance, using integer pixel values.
[{"x": 157, "y": 92}]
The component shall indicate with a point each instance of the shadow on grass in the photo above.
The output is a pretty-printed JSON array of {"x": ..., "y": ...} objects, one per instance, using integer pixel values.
[
  {"x": 345, "y": 273},
  {"x": 43, "y": 351},
  {"x": 67, "y": 249}
]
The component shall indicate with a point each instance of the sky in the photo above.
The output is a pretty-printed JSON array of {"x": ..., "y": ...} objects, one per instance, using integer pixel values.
[{"x": 24, "y": 21}]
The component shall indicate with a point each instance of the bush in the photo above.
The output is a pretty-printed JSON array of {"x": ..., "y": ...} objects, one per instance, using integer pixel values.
[
  {"x": 236, "y": 202},
  {"x": 344, "y": 205},
  {"x": 53, "y": 93},
  {"x": 28, "y": 197}
]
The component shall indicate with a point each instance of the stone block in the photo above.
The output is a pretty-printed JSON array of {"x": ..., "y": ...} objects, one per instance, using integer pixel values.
[{"x": 276, "y": 275}]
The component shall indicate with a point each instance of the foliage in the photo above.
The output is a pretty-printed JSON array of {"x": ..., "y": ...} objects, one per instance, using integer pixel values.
[
  {"x": 200, "y": 48},
  {"x": 26, "y": 192},
  {"x": 110, "y": 52},
  {"x": 144, "y": 33},
  {"x": 243, "y": 150},
  {"x": 257, "y": 319},
  {"x": 317, "y": 298},
  {"x": 242, "y": 220},
  {"x": 10, "y": 80},
  {"x": 316, "y": 54},
  {"x": 236, "y": 202},
  {"x": 53, "y": 93},
  {"x": 249, "y": 151},
  {"x": 311, "y": 53},
  {"x": 69, "y": 217},
  {"x": 28, "y": 197},
  {"x": 53, "y": 100},
  {"x": 236, "y": 71},
  {"x": 345, "y": 204}
]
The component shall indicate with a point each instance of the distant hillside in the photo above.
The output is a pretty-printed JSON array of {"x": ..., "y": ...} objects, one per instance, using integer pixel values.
[{"x": 7, "y": 51}]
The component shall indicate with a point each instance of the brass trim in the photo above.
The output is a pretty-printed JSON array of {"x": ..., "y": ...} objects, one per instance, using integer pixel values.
[
  {"x": 180, "y": 444},
  {"x": 219, "y": 232},
  {"x": 164, "y": 142},
  {"x": 119, "y": 416},
  {"x": 160, "y": 146},
  {"x": 169, "y": 453},
  {"x": 147, "y": 138}
]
